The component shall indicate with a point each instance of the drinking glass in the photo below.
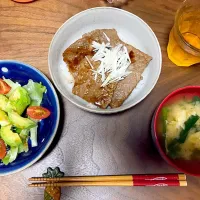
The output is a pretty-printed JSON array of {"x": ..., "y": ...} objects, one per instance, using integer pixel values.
[{"x": 184, "y": 40}]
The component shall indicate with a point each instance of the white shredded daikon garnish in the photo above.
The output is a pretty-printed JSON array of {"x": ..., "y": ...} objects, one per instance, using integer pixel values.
[
  {"x": 89, "y": 62},
  {"x": 114, "y": 62},
  {"x": 107, "y": 38}
]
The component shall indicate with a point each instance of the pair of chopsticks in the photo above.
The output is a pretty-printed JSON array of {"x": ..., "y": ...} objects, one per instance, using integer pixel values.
[{"x": 120, "y": 180}]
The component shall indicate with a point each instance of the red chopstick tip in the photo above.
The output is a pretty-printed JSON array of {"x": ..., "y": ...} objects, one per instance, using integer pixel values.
[
  {"x": 159, "y": 183},
  {"x": 159, "y": 177}
]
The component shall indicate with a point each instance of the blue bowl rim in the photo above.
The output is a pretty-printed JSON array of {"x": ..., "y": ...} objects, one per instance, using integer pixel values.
[{"x": 57, "y": 120}]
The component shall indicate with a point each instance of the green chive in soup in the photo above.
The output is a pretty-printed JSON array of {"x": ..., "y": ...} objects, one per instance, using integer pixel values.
[{"x": 179, "y": 123}]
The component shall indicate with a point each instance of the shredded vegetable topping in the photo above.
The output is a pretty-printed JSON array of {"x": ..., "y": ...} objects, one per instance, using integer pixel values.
[{"x": 114, "y": 62}]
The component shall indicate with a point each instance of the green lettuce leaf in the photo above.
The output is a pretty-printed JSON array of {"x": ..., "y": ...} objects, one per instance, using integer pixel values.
[
  {"x": 33, "y": 136},
  {"x": 11, "y": 155},
  {"x": 24, "y": 135},
  {"x": 36, "y": 91}
]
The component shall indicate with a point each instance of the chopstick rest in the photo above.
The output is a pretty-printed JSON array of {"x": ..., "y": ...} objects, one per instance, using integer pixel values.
[{"x": 52, "y": 192}]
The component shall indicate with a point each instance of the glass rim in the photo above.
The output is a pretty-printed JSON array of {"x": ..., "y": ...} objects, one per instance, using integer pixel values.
[{"x": 177, "y": 16}]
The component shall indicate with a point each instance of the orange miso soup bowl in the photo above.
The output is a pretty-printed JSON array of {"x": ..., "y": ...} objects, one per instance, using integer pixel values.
[{"x": 192, "y": 166}]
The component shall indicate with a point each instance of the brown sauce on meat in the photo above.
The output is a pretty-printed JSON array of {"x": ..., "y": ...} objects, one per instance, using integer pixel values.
[
  {"x": 89, "y": 89},
  {"x": 79, "y": 56},
  {"x": 85, "y": 86},
  {"x": 132, "y": 56}
]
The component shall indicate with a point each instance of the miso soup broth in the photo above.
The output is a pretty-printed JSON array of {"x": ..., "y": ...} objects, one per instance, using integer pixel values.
[{"x": 179, "y": 127}]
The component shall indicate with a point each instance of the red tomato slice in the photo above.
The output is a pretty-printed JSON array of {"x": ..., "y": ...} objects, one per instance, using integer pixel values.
[
  {"x": 4, "y": 87},
  {"x": 2, "y": 149},
  {"x": 38, "y": 112}
]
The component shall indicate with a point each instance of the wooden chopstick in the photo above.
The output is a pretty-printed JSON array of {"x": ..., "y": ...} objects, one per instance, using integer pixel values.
[
  {"x": 111, "y": 183},
  {"x": 120, "y": 180},
  {"x": 180, "y": 177}
]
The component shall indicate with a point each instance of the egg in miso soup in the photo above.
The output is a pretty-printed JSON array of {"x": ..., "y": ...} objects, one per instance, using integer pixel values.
[{"x": 179, "y": 127}]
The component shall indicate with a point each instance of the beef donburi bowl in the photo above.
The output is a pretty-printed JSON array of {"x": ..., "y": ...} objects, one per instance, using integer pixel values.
[{"x": 103, "y": 64}]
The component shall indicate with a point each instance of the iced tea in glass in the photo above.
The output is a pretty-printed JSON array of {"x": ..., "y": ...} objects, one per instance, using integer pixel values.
[{"x": 184, "y": 39}]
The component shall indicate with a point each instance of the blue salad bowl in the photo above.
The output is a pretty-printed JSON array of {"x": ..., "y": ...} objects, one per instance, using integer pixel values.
[{"x": 21, "y": 73}]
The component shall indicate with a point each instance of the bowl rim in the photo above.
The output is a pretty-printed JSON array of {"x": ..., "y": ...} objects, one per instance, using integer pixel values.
[
  {"x": 57, "y": 120},
  {"x": 160, "y": 150},
  {"x": 113, "y": 110}
]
